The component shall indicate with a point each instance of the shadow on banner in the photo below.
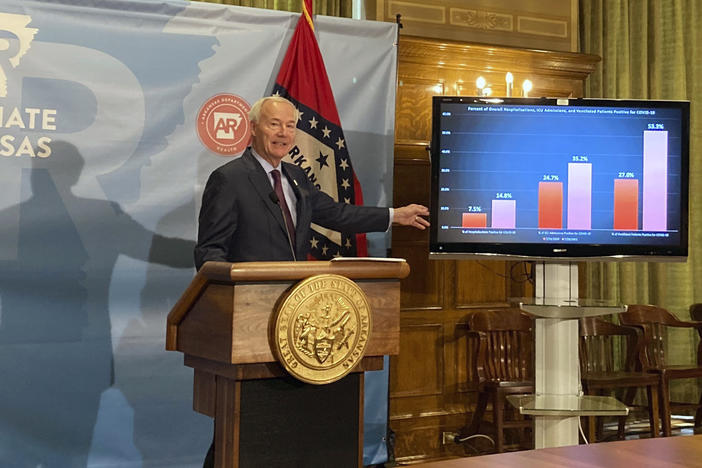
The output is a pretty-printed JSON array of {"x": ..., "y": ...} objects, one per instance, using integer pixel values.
[{"x": 55, "y": 333}]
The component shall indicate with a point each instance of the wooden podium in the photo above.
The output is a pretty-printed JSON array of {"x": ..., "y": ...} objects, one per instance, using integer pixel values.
[{"x": 264, "y": 417}]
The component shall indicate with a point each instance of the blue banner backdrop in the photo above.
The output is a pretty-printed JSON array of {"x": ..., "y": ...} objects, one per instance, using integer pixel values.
[{"x": 101, "y": 173}]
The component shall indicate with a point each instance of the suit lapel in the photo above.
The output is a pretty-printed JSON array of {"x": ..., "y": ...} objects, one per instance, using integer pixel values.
[
  {"x": 299, "y": 207},
  {"x": 259, "y": 179}
]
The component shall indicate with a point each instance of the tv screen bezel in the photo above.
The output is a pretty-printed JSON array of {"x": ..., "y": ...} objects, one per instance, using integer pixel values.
[{"x": 551, "y": 251}]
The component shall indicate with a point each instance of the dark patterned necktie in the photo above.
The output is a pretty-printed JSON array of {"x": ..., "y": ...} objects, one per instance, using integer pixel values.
[{"x": 278, "y": 188}]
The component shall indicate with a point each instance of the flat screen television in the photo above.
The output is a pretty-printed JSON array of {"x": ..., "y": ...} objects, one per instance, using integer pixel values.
[{"x": 572, "y": 179}]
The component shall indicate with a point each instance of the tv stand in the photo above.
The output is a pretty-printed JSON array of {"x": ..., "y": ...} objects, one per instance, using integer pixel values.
[{"x": 558, "y": 401}]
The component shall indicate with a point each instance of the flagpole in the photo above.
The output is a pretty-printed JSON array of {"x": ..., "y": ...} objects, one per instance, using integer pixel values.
[
  {"x": 397, "y": 54},
  {"x": 307, "y": 13},
  {"x": 398, "y": 20}
]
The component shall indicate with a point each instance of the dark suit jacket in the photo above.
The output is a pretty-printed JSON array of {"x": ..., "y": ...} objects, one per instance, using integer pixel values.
[{"x": 239, "y": 222}]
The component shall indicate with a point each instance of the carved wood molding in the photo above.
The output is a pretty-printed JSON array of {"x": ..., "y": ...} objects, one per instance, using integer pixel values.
[
  {"x": 467, "y": 56},
  {"x": 481, "y": 19}
]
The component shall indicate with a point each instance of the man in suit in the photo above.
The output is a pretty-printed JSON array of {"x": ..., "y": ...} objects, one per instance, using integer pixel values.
[
  {"x": 249, "y": 213},
  {"x": 245, "y": 217}
]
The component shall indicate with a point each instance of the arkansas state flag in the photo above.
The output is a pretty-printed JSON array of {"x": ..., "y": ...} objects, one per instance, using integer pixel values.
[{"x": 320, "y": 147}]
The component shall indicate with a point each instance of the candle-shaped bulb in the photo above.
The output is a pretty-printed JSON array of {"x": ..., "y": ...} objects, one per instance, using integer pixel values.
[
  {"x": 509, "y": 80},
  {"x": 526, "y": 87},
  {"x": 480, "y": 84}
]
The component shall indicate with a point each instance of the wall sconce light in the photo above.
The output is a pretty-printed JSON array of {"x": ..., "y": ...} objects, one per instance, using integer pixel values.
[
  {"x": 509, "y": 80},
  {"x": 526, "y": 87},
  {"x": 480, "y": 84}
]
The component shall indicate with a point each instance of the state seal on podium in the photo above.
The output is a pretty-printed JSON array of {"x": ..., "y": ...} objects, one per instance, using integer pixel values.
[{"x": 321, "y": 328}]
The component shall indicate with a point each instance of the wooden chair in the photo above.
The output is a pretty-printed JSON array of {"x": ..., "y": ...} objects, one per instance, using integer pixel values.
[
  {"x": 504, "y": 365},
  {"x": 655, "y": 321},
  {"x": 696, "y": 315},
  {"x": 599, "y": 340}
]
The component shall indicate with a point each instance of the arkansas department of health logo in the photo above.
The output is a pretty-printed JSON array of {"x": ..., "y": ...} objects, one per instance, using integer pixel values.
[
  {"x": 223, "y": 124},
  {"x": 321, "y": 329}
]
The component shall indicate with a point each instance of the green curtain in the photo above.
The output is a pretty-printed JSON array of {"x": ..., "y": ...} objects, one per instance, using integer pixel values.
[
  {"x": 341, "y": 8},
  {"x": 652, "y": 49}
]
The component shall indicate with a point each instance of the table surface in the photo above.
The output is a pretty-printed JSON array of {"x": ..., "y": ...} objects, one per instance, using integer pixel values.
[
  {"x": 568, "y": 405},
  {"x": 668, "y": 452}
]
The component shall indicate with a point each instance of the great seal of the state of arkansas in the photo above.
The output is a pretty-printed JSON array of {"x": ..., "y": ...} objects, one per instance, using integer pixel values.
[{"x": 321, "y": 328}]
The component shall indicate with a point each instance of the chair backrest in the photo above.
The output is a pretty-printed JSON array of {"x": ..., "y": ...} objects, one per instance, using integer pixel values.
[
  {"x": 696, "y": 312},
  {"x": 696, "y": 315},
  {"x": 606, "y": 347},
  {"x": 505, "y": 350},
  {"x": 653, "y": 320}
]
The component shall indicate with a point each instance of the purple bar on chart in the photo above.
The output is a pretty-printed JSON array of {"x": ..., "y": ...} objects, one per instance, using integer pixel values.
[
  {"x": 579, "y": 196},
  {"x": 504, "y": 214},
  {"x": 655, "y": 181}
]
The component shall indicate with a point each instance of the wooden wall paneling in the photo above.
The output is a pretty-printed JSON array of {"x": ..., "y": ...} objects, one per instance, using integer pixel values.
[
  {"x": 410, "y": 180},
  {"x": 420, "y": 419},
  {"x": 464, "y": 361},
  {"x": 481, "y": 283},
  {"x": 421, "y": 439},
  {"x": 431, "y": 383},
  {"x": 413, "y": 108},
  {"x": 420, "y": 366},
  {"x": 417, "y": 439},
  {"x": 423, "y": 288},
  {"x": 522, "y": 280}
]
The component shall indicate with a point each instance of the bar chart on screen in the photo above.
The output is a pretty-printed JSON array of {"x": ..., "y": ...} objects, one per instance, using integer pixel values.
[{"x": 539, "y": 175}]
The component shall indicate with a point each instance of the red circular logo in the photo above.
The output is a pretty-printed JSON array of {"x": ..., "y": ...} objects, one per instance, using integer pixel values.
[{"x": 223, "y": 124}]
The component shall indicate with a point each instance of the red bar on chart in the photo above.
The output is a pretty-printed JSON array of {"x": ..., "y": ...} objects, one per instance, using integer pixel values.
[
  {"x": 504, "y": 214},
  {"x": 655, "y": 181},
  {"x": 579, "y": 196},
  {"x": 550, "y": 205},
  {"x": 474, "y": 220},
  {"x": 626, "y": 204}
]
